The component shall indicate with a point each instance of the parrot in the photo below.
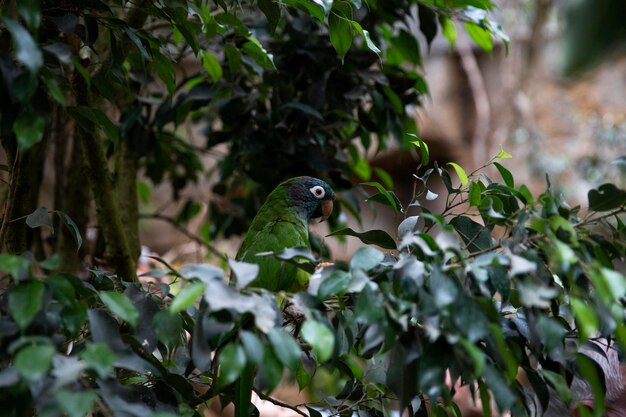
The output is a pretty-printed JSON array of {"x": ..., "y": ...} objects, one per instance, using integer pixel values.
[{"x": 282, "y": 222}]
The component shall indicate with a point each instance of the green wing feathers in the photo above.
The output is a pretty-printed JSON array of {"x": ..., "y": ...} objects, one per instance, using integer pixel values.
[{"x": 277, "y": 235}]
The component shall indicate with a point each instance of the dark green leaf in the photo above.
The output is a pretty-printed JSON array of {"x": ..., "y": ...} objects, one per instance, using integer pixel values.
[
  {"x": 506, "y": 175},
  {"x": 443, "y": 289},
  {"x": 28, "y": 129},
  {"x": 304, "y": 108},
  {"x": 38, "y": 218},
  {"x": 375, "y": 237},
  {"x": 271, "y": 10},
  {"x": 121, "y": 306},
  {"x": 606, "y": 197},
  {"x": 366, "y": 258},
  {"x": 476, "y": 236},
  {"x": 407, "y": 45},
  {"x": 30, "y": 10},
  {"x": 315, "y": 9},
  {"x": 340, "y": 28},
  {"x": 320, "y": 337},
  {"x": 285, "y": 347},
  {"x": 90, "y": 118},
  {"x": 272, "y": 369},
  {"x": 369, "y": 308},
  {"x": 75, "y": 404},
  {"x": 99, "y": 357},
  {"x": 212, "y": 66},
  {"x": 335, "y": 284},
  {"x": 71, "y": 226},
  {"x": 33, "y": 362},
  {"x": 165, "y": 69},
  {"x": 232, "y": 360},
  {"x": 167, "y": 327},
  {"x": 428, "y": 23},
  {"x": 391, "y": 199},
  {"x": 25, "y": 301},
  {"x": 252, "y": 345}
]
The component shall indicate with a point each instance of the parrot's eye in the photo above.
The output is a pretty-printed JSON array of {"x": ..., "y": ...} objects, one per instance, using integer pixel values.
[{"x": 318, "y": 192}]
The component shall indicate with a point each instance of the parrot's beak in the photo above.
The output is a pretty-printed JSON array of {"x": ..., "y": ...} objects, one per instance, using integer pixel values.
[{"x": 327, "y": 209}]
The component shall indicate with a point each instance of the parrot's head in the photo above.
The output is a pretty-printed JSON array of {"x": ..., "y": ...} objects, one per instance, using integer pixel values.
[{"x": 312, "y": 198}]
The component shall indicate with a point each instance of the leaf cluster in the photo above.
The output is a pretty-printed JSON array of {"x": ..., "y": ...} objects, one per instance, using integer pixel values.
[{"x": 512, "y": 282}]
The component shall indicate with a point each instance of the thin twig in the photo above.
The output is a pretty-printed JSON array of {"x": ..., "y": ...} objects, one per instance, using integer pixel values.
[
  {"x": 186, "y": 232},
  {"x": 280, "y": 403}
]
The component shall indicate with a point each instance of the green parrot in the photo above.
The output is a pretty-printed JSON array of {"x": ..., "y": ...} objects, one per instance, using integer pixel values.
[{"x": 282, "y": 222}]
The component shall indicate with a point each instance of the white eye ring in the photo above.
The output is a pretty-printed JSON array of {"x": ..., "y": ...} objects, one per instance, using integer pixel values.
[{"x": 318, "y": 192}]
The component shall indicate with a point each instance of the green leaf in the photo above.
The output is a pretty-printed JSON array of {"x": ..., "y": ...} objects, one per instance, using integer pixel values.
[
  {"x": 144, "y": 192},
  {"x": 475, "y": 193},
  {"x": 29, "y": 128},
  {"x": 557, "y": 382},
  {"x": 187, "y": 296},
  {"x": 255, "y": 50},
  {"x": 90, "y": 118},
  {"x": 253, "y": 347},
  {"x": 506, "y": 175},
  {"x": 211, "y": 65},
  {"x": 121, "y": 306},
  {"x": 26, "y": 49},
  {"x": 75, "y": 404},
  {"x": 165, "y": 69},
  {"x": 30, "y": 10},
  {"x": 607, "y": 197},
  {"x": 25, "y": 301},
  {"x": 408, "y": 47},
  {"x": 423, "y": 149},
  {"x": 586, "y": 318},
  {"x": 14, "y": 265},
  {"x": 476, "y": 355},
  {"x": 33, "y": 362},
  {"x": 443, "y": 289},
  {"x": 476, "y": 236},
  {"x": 335, "y": 284},
  {"x": 320, "y": 337},
  {"x": 389, "y": 197},
  {"x": 285, "y": 347},
  {"x": 304, "y": 108},
  {"x": 271, "y": 10},
  {"x": 167, "y": 328},
  {"x": 72, "y": 227},
  {"x": 503, "y": 154},
  {"x": 427, "y": 23},
  {"x": 55, "y": 91},
  {"x": 99, "y": 357},
  {"x": 448, "y": 28},
  {"x": 460, "y": 172},
  {"x": 313, "y": 8},
  {"x": 232, "y": 360},
  {"x": 366, "y": 258},
  {"x": 371, "y": 237},
  {"x": 481, "y": 36},
  {"x": 369, "y": 308},
  {"x": 340, "y": 28},
  {"x": 366, "y": 36},
  {"x": 38, "y": 218},
  {"x": 272, "y": 369}
]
